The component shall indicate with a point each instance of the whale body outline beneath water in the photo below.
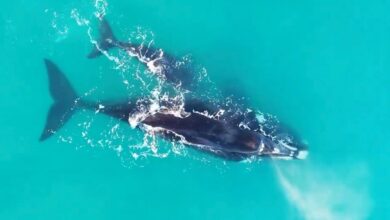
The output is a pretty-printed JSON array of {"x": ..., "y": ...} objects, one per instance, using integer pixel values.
[{"x": 219, "y": 137}]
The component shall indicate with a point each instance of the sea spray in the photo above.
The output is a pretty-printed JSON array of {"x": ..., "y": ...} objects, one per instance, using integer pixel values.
[{"x": 322, "y": 194}]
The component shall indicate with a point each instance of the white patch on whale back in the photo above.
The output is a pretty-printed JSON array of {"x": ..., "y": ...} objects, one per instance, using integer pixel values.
[
  {"x": 244, "y": 126},
  {"x": 260, "y": 118},
  {"x": 261, "y": 148}
]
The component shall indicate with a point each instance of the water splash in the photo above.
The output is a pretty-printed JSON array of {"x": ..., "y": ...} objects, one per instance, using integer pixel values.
[
  {"x": 113, "y": 136},
  {"x": 323, "y": 194},
  {"x": 100, "y": 7},
  {"x": 61, "y": 30}
]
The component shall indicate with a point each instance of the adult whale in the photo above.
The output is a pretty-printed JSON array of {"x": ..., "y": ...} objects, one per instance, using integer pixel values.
[
  {"x": 156, "y": 60},
  {"x": 215, "y": 136}
]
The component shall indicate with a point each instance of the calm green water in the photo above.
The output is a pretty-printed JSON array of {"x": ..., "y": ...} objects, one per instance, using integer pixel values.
[{"x": 322, "y": 67}]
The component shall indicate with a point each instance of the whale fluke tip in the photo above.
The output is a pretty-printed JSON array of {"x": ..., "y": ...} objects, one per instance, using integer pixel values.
[{"x": 64, "y": 97}]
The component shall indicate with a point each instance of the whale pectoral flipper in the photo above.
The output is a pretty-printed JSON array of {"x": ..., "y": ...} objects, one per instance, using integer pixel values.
[
  {"x": 64, "y": 100},
  {"x": 106, "y": 40}
]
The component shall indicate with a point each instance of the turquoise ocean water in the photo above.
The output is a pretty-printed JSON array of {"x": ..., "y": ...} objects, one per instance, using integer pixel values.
[{"x": 322, "y": 67}]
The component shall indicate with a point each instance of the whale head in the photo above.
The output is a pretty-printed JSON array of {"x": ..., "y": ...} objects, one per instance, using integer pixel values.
[{"x": 282, "y": 142}]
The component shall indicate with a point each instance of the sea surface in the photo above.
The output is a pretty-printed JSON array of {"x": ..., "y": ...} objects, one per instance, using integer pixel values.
[{"x": 322, "y": 67}]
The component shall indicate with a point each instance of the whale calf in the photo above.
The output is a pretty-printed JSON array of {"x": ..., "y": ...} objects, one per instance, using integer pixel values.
[
  {"x": 219, "y": 137},
  {"x": 156, "y": 60}
]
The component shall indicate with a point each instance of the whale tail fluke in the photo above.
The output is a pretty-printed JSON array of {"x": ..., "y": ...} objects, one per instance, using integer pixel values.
[
  {"x": 106, "y": 41},
  {"x": 65, "y": 99}
]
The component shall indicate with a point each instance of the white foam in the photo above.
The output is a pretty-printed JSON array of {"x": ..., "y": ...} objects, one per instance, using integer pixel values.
[
  {"x": 288, "y": 146},
  {"x": 302, "y": 154},
  {"x": 260, "y": 118}
]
